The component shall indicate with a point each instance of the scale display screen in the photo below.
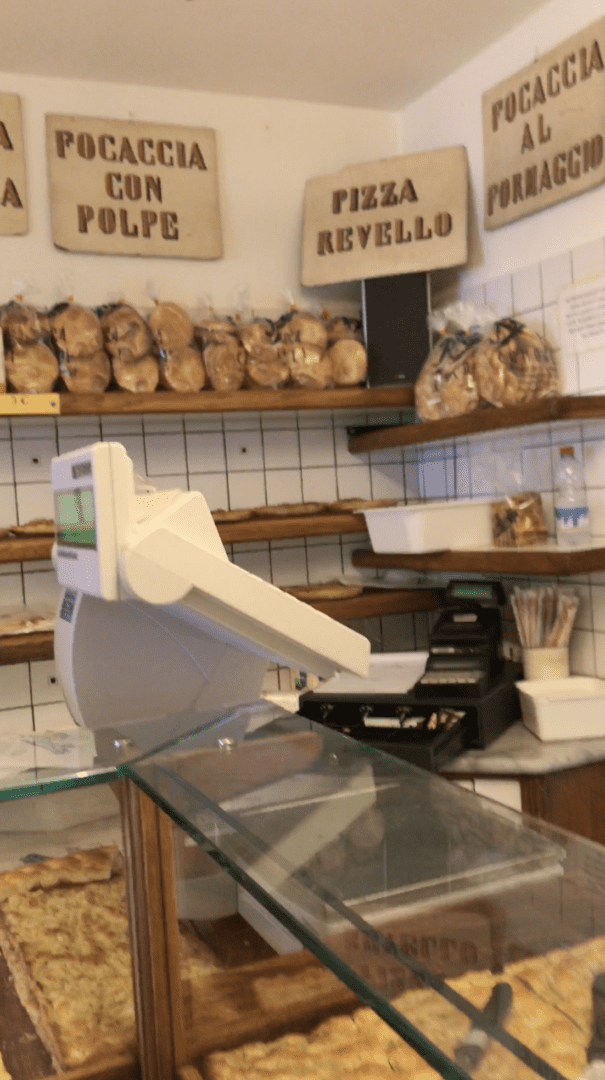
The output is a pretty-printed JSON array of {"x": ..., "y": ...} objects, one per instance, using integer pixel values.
[{"x": 75, "y": 517}]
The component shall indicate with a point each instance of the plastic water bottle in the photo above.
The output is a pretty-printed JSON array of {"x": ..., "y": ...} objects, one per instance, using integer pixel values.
[{"x": 571, "y": 510}]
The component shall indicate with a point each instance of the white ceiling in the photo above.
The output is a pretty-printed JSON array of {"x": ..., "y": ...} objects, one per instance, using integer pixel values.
[{"x": 366, "y": 53}]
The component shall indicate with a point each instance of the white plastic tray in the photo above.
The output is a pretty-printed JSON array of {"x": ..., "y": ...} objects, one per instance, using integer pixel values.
[
  {"x": 433, "y": 526},
  {"x": 557, "y": 709}
]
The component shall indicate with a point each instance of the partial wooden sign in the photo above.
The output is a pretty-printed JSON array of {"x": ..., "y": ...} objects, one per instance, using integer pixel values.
[
  {"x": 121, "y": 187},
  {"x": 543, "y": 130},
  {"x": 399, "y": 215},
  {"x": 13, "y": 206}
]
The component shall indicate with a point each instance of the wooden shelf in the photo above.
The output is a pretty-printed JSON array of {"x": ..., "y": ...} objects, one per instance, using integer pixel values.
[
  {"x": 166, "y": 401},
  {"x": 545, "y": 561},
  {"x": 374, "y": 602},
  {"x": 39, "y": 547},
  {"x": 25, "y": 549},
  {"x": 20, "y": 648},
  {"x": 481, "y": 422}
]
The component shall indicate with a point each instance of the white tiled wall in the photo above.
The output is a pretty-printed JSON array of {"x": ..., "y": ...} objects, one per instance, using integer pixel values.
[
  {"x": 235, "y": 460},
  {"x": 248, "y": 459}
]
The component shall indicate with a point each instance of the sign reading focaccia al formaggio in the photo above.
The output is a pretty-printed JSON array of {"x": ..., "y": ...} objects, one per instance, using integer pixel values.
[
  {"x": 543, "y": 130},
  {"x": 13, "y": 208},
  {"x": 399, "y": 215},
  {"x": 121, "y": 187}
]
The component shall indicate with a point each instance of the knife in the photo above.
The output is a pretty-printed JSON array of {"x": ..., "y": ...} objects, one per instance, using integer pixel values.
[{"x": 472, "y": 1047}]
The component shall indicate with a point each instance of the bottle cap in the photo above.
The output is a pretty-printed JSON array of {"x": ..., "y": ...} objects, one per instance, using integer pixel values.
[{"x": 566, "y": 451}]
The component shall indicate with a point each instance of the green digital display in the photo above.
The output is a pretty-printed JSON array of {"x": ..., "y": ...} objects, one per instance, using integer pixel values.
[
  {"x": 75, "y": 517},
  {"x": 464, "y": 590}
]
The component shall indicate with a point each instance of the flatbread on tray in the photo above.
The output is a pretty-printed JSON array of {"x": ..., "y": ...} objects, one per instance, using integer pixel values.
[
  {"x": 290, "y": 510},
  {"x": 225, "y": 517},
  {"x": 342, "y": 506},
  {"x": 64, "y": 935},
  {"x": 37, "y": 527},
  {"x": 331, "y": 590}
]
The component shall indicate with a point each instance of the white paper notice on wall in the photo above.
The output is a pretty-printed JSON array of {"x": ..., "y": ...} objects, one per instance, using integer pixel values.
[
  {"x": 13, "y": 207},
  {"x": 125, "y": 187},
  {"x": 582, "y": 316}
]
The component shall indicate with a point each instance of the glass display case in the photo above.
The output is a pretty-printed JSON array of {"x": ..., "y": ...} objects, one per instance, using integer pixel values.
[{"x": 290, "y": 904}]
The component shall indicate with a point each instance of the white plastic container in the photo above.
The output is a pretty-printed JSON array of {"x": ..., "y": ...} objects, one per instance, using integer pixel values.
[
  {"x": 556, "y": 709},
  {"x": 432, "y": 526}
]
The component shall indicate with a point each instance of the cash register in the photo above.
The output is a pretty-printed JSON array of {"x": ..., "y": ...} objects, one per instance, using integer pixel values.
[
  {"x": 465, "y": 647},
  {"x": 428, "y": 707}
]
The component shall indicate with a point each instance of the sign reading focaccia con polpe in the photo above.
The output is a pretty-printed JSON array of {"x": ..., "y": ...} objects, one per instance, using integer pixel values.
[
  {"x": 543, "y": 130},
  {"x": 13, "y": 209},
  {"x": 122, "y": 187},
  {"x": 399, "y": 215}
]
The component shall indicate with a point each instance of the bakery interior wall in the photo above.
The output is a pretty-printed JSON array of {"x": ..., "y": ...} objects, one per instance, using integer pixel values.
[
  {"x": 521, "y": 268},
  {"x": 267, "y": 149}
]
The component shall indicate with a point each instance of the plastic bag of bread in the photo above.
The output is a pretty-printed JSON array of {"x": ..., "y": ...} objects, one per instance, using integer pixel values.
[
  {"x": 309, "y": 365},
  {"x": 78, "y": 342},
  {"x": 224, "y": 355},
  {"x": 22, "y": 323},
  {"x": 181, "y": 366},
  {"x": 514, "y": 364},
  {"x": 182, "y": 369},
  {"x": 171, "y": 326},
  {"x": 349, "y": 361},
  {"x": 265, "y": 368},
  {"x": 446, "y": 385},
  {"x": 518, "y": 520},
  {"x": 302, "y": 326},
  {"x": 126, "y": 335},
  {"x": 30, "y": 365},
  {"x": 31, "y": 368}
]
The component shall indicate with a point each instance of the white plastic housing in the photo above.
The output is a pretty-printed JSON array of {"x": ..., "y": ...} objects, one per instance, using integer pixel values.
[{"x": 178, "y": 627}]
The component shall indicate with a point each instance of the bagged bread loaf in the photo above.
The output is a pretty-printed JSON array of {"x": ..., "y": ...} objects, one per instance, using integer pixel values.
[
  {"x": 31, "y": 368},
  {"x": 446, "y": 385},
  {"x": 182, "y": 369},
  {"x": 302, "y": 326},
  {"x": 514, "y": 364},
  {"x": 76, "y": 330},
  {"x": 137, "y": 376},
  {"x": 349, "y": 361},
  {"x": 86, "y": 374},
  {"x": 224, "y": 356},
  {"x": 171, "y": 326},
  {"x": 78, "y": 342},
  {"x": 21, "y": 323},
  {"x": 309, "y": 365},
  {"x": 265, "y": 368},
  {"x": 518, "y": 520},
  {"x": 126, "y": 335}
]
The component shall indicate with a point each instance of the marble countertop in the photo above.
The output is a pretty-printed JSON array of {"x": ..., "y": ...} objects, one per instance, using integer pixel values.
[{"x": 517, "y": 751}]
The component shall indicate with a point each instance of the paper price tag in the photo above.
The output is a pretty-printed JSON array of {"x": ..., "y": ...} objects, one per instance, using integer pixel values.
[{"x": 30, "y": 404}]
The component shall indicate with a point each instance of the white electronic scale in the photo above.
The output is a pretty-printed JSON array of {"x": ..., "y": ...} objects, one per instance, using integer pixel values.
[{"x": 154, "y": 620}]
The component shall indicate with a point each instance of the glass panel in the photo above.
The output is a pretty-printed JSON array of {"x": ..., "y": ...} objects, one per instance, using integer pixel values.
[
  {"x": 34, "y": 763},
  {"x": 419, "y": 896},
  {"x": 65, "y": 970}
]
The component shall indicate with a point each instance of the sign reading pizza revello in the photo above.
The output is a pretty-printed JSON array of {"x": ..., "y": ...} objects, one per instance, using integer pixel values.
[
  {"x": 13, "y": 210},
  {"x": 399, "y": 215},
  {"x": 123, "y": 187},
  {"x": 543, "y": 130}
]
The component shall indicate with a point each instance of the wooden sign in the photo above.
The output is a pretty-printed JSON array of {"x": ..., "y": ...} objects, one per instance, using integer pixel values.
[
  {"x": 13, "y": 207},
  {"x": 122, "y": 187},
  {"x": 543, "y": 130},
  {"x": 395, "y": 216}
]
